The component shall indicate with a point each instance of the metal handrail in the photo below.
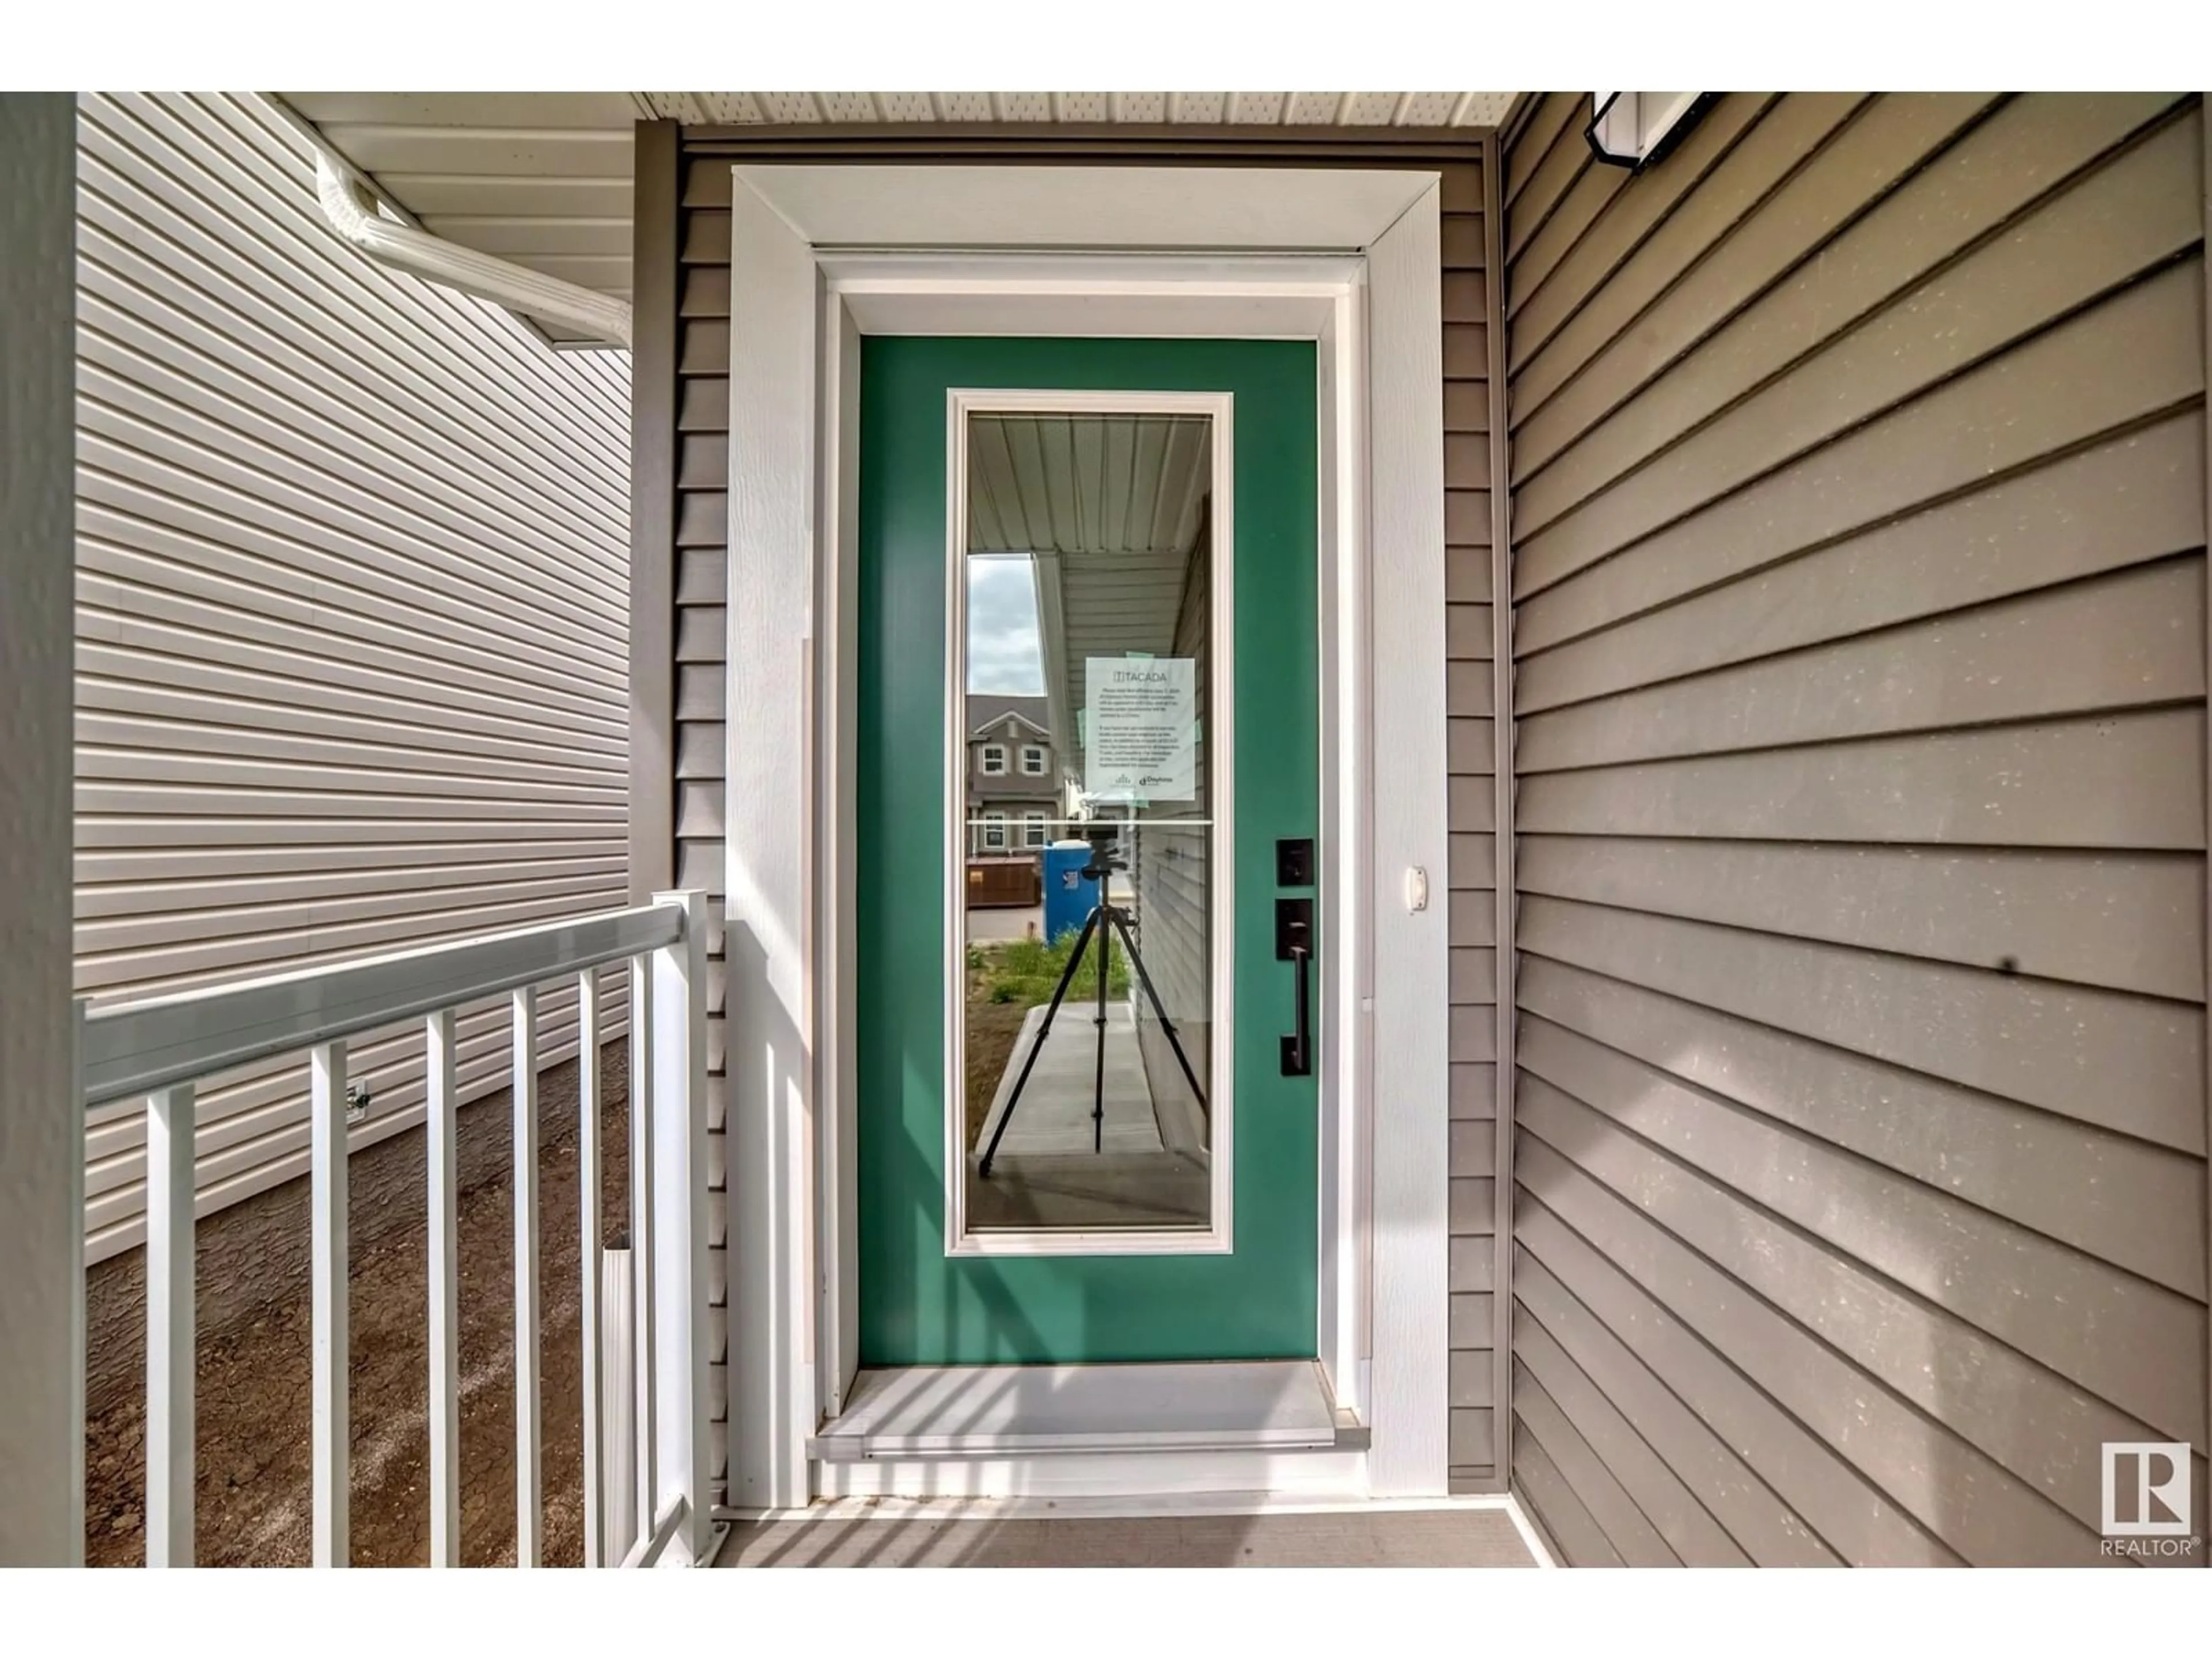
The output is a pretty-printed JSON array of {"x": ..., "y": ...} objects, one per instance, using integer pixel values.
[{"x": 134, "y": 1048}]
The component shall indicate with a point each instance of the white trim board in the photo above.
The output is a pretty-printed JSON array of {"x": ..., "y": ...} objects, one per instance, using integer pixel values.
[
  {"x": 803, "y": 291},
  {"x": 1162, "y": 209},
  {"x": 1315, "y": 1477},
  {"x": 894, "y": 1508}
]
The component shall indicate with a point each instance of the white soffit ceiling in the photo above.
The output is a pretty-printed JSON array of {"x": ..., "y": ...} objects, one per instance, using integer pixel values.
[
  {"x": 1110, "y": 506},
  {"x": 543, "y": 178},
  {"x": 1087, "y": 485},
  {"x": 1297, "y": 109}
]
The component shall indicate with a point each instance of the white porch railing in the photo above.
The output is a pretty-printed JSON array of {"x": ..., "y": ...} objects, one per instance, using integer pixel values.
[{"x": 161, "y": 1048}]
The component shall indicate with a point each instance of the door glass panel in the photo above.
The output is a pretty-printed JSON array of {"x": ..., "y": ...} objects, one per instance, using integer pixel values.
[{"x": 1085, "y": 1013}]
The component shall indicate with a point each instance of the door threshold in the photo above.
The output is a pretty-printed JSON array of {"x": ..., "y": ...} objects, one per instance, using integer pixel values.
[{"x": 1002, "y": 1411}]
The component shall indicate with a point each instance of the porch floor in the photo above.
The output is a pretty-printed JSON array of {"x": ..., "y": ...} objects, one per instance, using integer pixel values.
[
  {"x": 1380, "y": 1538},
  {"x": 1047, "y": 1174},
  {"x": 1053, "y": 1113}
]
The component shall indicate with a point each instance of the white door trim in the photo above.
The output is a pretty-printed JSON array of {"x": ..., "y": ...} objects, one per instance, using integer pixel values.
[{"x": 821, "y": 254}]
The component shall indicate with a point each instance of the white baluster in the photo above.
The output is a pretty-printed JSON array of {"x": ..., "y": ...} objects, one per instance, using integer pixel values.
[
  {"x": 332, "y": 1453},
  {"x": 679, "y": 1246},
  {"x": 441, "y": 1132},
  {"x": 641, "y": 1052},
  {"x": 587, "y": 1250},
  {"x": 170, "y": 1331},
  {"x": 528, "y": 1511}
]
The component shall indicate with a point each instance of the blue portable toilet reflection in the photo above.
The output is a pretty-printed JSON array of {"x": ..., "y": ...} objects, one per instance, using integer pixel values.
[{"x": 1068, "y": 893}]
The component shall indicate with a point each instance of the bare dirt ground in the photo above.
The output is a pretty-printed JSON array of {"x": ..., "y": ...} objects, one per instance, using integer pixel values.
[
  {"x": 253, "y": 1414},
  {"x": 991, "y": 1029}
]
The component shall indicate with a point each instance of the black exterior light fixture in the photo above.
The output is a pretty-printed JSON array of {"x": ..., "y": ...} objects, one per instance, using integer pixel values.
[{"x": 1634, "y": 130}]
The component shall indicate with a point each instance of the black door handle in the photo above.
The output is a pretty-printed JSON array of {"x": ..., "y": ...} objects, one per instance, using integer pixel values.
[
  {"x": 1298, "y": 1048},
  {"x": 1294, "y": 942}
]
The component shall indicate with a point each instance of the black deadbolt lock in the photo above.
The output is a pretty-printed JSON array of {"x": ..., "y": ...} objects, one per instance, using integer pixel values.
[{"x": 1294, "y": 864}]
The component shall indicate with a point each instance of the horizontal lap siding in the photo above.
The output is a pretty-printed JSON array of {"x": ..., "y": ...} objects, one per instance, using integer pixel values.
[
  {"x": 1858, "y": 471},
  {"x": 701, "y": 577},
  {"x": 1169, "y": 865},
  {"x": 351, "y": 607},
  {"x": 1170, "y": 873},
  {"x": 700, "y": 552},
  {"x": 1471, "y": 785}
]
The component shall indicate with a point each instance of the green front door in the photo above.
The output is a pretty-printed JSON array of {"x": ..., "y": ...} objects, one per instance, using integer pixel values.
[{"x": 1089, "y": 558}]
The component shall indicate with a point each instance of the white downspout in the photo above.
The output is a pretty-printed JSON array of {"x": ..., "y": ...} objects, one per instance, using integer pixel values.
[{"x": 351, "y": 209}]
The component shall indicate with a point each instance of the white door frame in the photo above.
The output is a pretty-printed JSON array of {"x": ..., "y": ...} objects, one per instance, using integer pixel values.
[{"x": 1348, "y": 257}]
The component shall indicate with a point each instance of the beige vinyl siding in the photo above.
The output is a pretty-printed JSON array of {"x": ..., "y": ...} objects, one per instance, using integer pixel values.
[
  {"x": 697, "y": 549},
  {"x": 702, "y": 635},
  {"x": 1169, "y": 865},
  {"x": 1471, "y": 759},
  {"x": 351, "y": 618},
  {"x": 1858, "y": 474}
]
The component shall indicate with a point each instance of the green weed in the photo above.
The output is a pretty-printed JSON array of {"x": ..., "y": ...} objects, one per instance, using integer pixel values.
[{"x": 1025, "y": 971}]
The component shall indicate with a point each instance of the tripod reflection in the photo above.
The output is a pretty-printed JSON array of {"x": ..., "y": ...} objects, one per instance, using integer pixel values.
[{"x": 1105, "y": 920}]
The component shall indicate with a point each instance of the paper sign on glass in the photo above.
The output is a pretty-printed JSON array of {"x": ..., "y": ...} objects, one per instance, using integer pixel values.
[{"x": 1140, "y": 728}]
